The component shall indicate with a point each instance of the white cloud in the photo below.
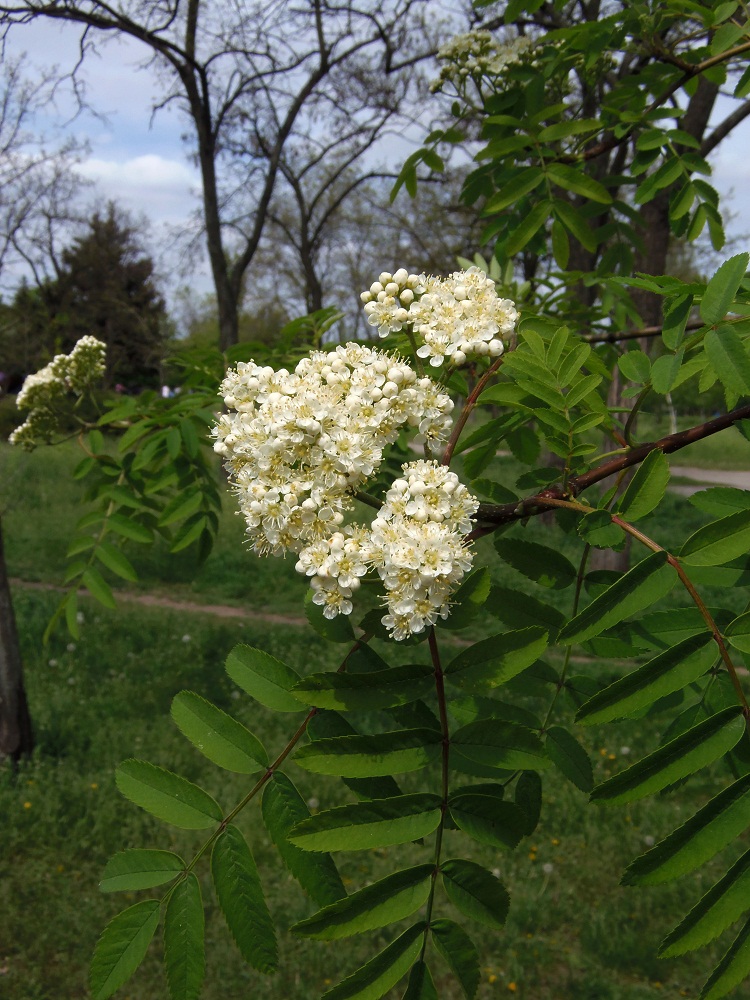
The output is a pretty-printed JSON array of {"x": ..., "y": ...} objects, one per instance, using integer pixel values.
[
  {"x": 150, "y": 171},
  {"x": 161, "y": 187}
]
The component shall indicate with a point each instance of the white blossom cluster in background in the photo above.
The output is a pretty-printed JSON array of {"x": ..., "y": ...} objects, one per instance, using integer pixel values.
[
  {"x": 298, "y": 445},
  {"x": 479, "y": 54},
  {"x": 455, "y": 317},
  {"x": 44, "y": 392}
]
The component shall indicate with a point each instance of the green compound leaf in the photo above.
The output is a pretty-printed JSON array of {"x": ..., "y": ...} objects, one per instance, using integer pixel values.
[
  {"x": 646, "y": 489},
  {"x": 635, "y": 366},
  {"x": 528, "y": 796},
  {"x": 371, "y": 756},
  {"x": 326, "y": 724},
  {"x": 496, "y": 660},
  {"x": 519, "y": 610},
  {"x": 338, "y": 629},
  {"x": 488, "y": 819},
  {"x": 722, "y": 288},
  {"x": 111, "y": 557},
  {"x": 381, "y": 973},
  {"x": 282, "y": 808},
  {"x": 376, "y": 689},
  {"x": 365, "y": 825},
  {"x": 130, "y": 529},
  {"x": 475, "y": 892},
  {"x": 714, "y": 826},
  {"x": 720, "y": 500},
  {"x": 738, "y": 632},
  {"x": 467, "y": 602},
  {"x": 264, "y": 678},
  {"x": 241, "y": 899},
  {"x": 598, "y": 529},
  {"x": 499, "y": 744},
  {"x": 167, "y": 796},
  {"x": 140, "y": 869},
  {"x": 217, "y": 735},
  {"x": 576, "y": 181},
  {"x": 688, "y": 753},
  {"x": 543, "y": 565},
  {"x": 731, "y": 970},
  {"x": 384, "y": 902},
  {"x": 98, "y": 587},
  {"x": 459, "y": 951},
  {"x": 516, "y": 188},
  {"x": 639, "y": 588},
  {"x": 717, "y": 910},
  {"x": 184, "y": 952},
  {"x": 729, "y": 358},
  {"x": 531, "y": 223},
  {"x": 670, "y": 671},
  {"x": 567, "y": 754},
  {"x": 718, "y": 542},
  {"x": 122, "y": 947},
  {"x": 421, "y": 985}
]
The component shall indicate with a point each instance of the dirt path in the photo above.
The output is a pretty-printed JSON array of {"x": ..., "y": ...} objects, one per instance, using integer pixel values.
[
  {"x": 159, "y": 601},
  {"x": 710, "y": 477},
  {"x": 701, "y": 478}
]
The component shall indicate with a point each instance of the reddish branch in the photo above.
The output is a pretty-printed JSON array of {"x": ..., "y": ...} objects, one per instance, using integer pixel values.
[{"x": 494, "y": 515}]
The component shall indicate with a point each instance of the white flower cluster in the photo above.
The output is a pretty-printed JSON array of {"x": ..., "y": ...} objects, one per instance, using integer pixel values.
[
  {"x": 478, "y": 54},
  {"x": 43, "y": 392},
  {"x": 457, "y": 316},
  {"x": 300, "y": 443},
  {"x": 416, "y": 545}
]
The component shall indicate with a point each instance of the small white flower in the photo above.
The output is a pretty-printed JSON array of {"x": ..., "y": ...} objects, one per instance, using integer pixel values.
[
  {"x": 649, "y": 841},
  {"x": 186, "y": 638},
  {"x": 548, "y": 868},
  {"x": 71, "y": 647}
]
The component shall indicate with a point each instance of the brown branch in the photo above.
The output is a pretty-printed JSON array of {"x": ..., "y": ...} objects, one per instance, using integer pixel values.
[
  {"x": 647, "y": 331},
  {"x": 491, "y": 516},
  {"x": 689, "y": 72}
]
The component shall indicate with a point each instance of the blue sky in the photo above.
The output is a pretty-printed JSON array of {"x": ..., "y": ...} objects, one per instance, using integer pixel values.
[{"x": 145, "y": 167}]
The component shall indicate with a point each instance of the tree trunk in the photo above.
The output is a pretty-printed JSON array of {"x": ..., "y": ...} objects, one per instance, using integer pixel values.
[
  {"x": 16, "y": 737},
  {"x": 228, "y": 316}
]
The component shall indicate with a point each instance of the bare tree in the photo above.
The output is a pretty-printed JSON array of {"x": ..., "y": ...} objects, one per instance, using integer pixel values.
[
  {"x": 39, "y": 188},
  {"x": 37, "y": 201},
  {"x": 264, "y": 86}
]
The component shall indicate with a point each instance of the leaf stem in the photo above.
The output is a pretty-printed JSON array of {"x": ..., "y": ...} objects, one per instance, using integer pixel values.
[
  {"x": 273, "y": 766},
  {"x": 469, "y": 405},
  {"x": 698, "y": 601},
  {"x": 443, "y": 712}
]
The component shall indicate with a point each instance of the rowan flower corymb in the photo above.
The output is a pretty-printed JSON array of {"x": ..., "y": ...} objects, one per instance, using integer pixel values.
[
  {"x": 478, "y": 54},
  {"x": 456, "y": 317},
  {"x": 43, "y": 393},
  {"x": 299, "y": 445}
]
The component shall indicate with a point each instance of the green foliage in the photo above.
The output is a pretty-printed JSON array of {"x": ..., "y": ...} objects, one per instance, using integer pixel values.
[
  {"x": 578, "y": 151},
  {"x": 184, "y": 956}
]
